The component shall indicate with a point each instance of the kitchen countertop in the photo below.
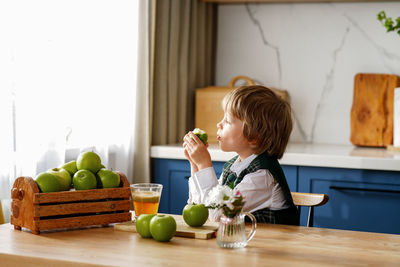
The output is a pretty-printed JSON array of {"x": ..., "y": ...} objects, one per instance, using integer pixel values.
[
  {"x": 315, "y": 155},
  {"x": 272, "y": 245}
]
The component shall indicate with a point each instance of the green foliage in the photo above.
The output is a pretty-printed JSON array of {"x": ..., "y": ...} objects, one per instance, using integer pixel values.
[{"x": 388, "y": 23}]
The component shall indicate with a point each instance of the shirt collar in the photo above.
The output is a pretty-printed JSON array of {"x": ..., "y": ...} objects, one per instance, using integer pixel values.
[{"x": 238, "y": 166}]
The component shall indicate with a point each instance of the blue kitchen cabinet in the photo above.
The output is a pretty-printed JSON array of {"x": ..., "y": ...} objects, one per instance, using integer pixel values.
[
  {"x": 361, "y": 200},
  {"x": 173, "y": 174},
  {"x": 291, "y": 176}
]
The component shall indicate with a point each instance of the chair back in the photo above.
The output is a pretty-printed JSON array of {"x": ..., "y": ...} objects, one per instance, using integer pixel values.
[{"x": 310, "y": 200}]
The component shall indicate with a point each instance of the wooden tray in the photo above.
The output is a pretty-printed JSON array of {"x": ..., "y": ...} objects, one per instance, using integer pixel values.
[
  {"x": 68, "y": 209},
  {"x": 207, "y": 231}
]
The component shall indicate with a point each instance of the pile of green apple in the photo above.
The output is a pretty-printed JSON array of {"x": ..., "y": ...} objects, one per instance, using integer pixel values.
[
  {"x": 85, "y": 173},
  {"x": 160, "y": 227}
]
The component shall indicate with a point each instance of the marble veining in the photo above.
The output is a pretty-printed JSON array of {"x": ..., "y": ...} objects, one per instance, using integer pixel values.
[
  {"x": 312, "y": 50},
  {"x": 386, "y": 56},
  {"x": 252, "y": 15},
  {"x": 328, "y": 86}
]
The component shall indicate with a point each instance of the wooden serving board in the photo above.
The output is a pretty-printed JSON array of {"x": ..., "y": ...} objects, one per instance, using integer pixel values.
[
  {"x": 372, "y": 109},
  {"x": 207, "y": 231}
]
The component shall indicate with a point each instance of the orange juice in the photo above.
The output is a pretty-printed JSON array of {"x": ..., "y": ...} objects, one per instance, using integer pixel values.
[{"x": 145, "y": 202}]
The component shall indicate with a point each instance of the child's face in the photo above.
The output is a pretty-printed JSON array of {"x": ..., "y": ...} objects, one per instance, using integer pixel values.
[{"x": 230, "y": 135}]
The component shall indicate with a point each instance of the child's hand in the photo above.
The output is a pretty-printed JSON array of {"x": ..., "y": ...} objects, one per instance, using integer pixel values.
[
  {"x": 196, "y": 151},
  {"x": 193, "y": 166}
]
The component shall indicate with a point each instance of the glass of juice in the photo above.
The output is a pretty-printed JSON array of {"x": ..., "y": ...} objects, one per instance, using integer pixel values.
[{"x": 146, "y": 198}]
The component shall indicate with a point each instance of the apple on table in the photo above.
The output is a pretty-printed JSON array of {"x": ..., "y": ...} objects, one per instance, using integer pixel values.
[
  {"x": 162, "y": 227},
  {"x": 195, "y": 215},
  {"x": 143, "y": 225}
]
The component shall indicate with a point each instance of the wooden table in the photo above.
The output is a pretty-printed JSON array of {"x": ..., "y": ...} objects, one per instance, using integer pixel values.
[{"x": 273, "y": 245}]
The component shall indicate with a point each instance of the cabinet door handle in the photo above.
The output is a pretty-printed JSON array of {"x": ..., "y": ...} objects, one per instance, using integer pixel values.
[
  {"x": 364, "y": 189},
  {"x": 187, "y": 177}
]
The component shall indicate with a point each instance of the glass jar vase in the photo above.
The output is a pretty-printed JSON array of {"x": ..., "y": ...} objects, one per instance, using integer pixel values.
[{"x": 232, "y": 232}]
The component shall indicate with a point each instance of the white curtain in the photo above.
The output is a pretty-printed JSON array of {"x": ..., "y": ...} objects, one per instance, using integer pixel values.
[{"x": 68, "y": 74}]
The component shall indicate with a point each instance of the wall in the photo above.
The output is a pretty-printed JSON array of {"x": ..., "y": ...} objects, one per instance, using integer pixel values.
[{"x": 311, "y": 50}]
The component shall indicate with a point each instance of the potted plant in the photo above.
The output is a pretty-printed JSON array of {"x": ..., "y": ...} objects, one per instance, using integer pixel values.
[{"x": 388, "y": 22}]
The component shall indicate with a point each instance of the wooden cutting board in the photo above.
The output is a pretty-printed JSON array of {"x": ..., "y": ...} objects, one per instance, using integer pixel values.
[
  {"x": 372, "y": 109},
  {"x": 207, "y": 231}
]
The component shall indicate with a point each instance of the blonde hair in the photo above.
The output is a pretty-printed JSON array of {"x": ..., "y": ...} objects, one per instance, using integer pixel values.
[{"x": 266, "y": 117}]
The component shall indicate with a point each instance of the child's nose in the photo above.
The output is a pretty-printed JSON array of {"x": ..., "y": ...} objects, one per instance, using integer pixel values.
[{"x": 219, "y": 125}]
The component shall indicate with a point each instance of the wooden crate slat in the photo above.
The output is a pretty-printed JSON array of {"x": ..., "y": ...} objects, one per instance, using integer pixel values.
[
  {"x": 76, "y": 208},
  {"x": 70, "y": 196},
  {"x": 81, "y": 221}
]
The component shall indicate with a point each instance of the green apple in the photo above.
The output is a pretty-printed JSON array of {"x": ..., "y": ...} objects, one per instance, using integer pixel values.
[
  {"x": 202, "y": 135},
  {"x": 162, "y": 227},
  {"x": 195, "y": 215},
  {"x": 63, "y": 176},
  {"x": 47, "y": 182},
  {"x": 107, "y": 179},
  {"x": 143, "y": 225},
  {"x": 70, "y": 167},
  {"x": 84, "y": 180},
  {"x": 88, "y": 161}
]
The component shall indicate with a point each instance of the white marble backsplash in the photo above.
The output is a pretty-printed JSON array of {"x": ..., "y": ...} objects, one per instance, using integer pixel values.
[{"x": 311, "y": 50}]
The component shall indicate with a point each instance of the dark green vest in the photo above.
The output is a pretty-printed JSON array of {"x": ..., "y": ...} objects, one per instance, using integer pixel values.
[{"x": 264, "y": 161}]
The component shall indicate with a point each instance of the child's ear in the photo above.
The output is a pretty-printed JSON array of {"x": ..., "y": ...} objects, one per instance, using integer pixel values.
[{"x": 253, "y": 143}]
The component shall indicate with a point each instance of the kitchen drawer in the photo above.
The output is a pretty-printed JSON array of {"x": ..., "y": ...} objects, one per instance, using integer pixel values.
[{"x": 361, "y": 200}]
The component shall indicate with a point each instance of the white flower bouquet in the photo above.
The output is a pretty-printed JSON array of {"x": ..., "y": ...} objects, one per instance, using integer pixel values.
[{"x": 229, "y": 200}]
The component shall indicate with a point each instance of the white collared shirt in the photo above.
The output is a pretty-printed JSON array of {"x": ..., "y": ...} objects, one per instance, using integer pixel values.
[{"x": 259, "y": 188}]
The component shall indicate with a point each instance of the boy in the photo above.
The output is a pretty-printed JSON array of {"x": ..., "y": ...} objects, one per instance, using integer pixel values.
[{"x": 256, "y": 125}]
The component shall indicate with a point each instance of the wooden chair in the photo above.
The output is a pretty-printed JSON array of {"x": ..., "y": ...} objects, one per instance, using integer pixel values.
[{"x": 310, "y": 200}]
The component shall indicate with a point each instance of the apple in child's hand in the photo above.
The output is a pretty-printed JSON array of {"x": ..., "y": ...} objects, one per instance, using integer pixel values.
[
  {"x": 88, "y": 161},
  {"x": 70, "y": 167},
  {"x": 162, "y": 227},
  {"x": 202, "y": 135},
  {"x": 195, "y": 215},
  {"x": 63, "y": 176},
  {"x": 84, "y": 180},
  {"x": 47, "y": 182},
  {"x": 143, "y": 225},
  {"x": 107, "y": 179}
]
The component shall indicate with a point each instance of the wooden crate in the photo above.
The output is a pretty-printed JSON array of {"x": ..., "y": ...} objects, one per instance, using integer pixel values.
[
  {"x": 68, "y": 209},
  {"x": 209, "y": 111}
]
